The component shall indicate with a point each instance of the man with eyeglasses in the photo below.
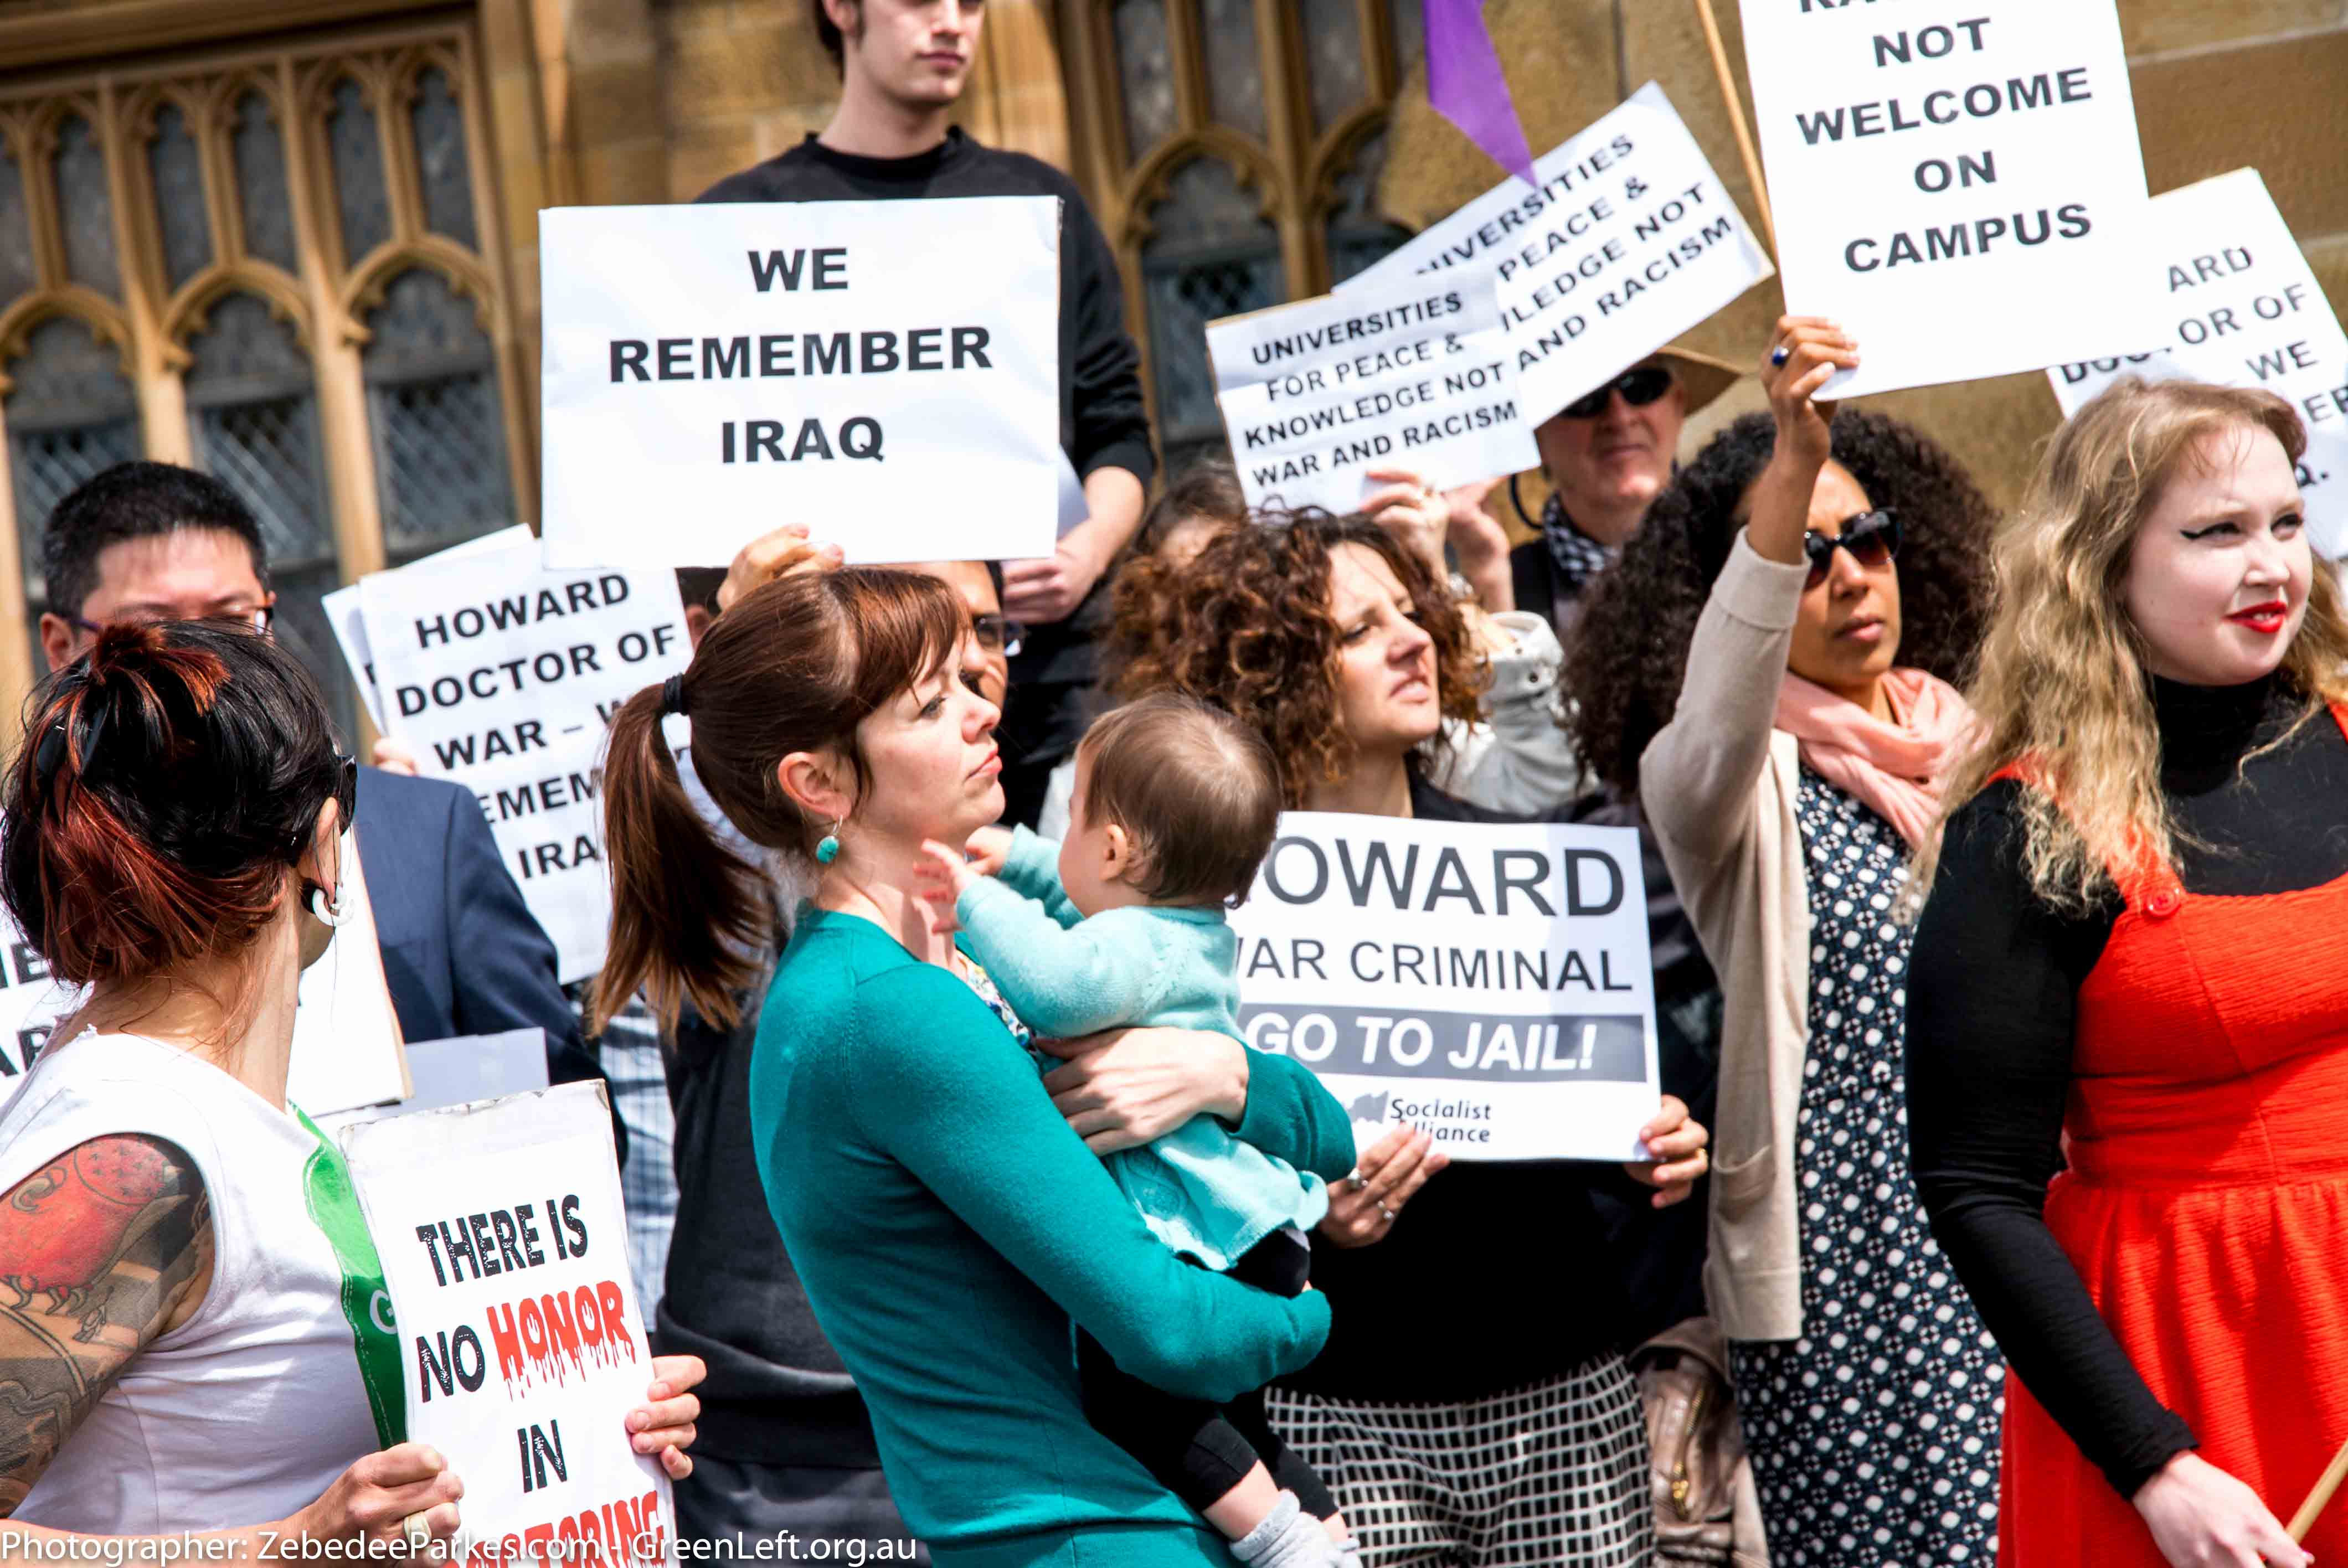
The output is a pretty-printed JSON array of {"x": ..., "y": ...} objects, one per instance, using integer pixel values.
[
  {"x": 462, "y": 955},
  {"x": 1606, "y": 454}
]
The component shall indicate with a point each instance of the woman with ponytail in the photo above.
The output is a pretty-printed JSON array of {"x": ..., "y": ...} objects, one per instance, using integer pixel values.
[
  {"x": 181, "y": 1242},
  {"x": 939, "y": 1202}
]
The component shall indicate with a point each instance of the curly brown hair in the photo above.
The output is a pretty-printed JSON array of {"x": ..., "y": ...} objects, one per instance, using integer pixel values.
[
  {"x": 1249, "y": 629},
  {"x": 1628, "y": 652}
]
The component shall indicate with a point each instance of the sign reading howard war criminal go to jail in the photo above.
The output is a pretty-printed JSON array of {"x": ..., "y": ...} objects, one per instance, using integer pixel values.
[
  {"x": 1490, "y": 984},
  {"x": 1414, "y": 375},
  {"x": 2241, "y": 308},
  {"x": 1628, "y": 241},
  {"x": 504, "y": 1247},
  {"x": 885, "y": 371},
  {"x": 502, "y": 675},
  {"x": 1960, "y": 187}
]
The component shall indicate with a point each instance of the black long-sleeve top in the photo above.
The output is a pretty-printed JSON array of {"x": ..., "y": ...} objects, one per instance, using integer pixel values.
[{"x": 1992, "y": 994}]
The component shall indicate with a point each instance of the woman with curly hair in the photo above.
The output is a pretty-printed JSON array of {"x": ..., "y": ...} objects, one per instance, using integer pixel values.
[
  {"x": 1342, "y": 648},
  {"x": 1768, "y": 668},
  {"x": 2129, "y": 957}
]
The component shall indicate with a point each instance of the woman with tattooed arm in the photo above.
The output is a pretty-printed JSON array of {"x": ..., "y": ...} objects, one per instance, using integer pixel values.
[{"x": 190, "y": 1332}]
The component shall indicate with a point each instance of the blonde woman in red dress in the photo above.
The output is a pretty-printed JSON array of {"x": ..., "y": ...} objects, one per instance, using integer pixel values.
[{"x": 2132, "y": 972}]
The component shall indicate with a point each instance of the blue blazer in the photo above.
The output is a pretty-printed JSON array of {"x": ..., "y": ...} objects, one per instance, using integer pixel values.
[{"x": 461, "y": 952}]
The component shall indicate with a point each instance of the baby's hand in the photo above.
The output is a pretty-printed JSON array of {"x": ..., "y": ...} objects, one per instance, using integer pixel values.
[
  {"x": 989, "y": 849},
  {"x": 942, "y": 880}
]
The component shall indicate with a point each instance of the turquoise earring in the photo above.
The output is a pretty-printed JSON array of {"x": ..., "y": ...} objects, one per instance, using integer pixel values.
[{"x": 827, "y": 848}]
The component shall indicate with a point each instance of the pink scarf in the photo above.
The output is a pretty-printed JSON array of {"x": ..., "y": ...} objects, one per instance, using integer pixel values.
[{"x": 1896, "y": 768}]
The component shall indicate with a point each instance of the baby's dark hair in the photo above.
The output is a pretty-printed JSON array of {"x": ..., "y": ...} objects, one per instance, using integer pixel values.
[{"x": 1196, "y": 792}]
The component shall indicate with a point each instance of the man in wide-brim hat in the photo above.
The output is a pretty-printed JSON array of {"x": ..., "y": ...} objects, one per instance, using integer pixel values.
[{"x": 1605, "y": 456}]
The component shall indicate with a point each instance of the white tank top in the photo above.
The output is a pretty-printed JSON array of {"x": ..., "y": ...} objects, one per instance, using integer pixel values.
[{"x": 250, "y": 1409}]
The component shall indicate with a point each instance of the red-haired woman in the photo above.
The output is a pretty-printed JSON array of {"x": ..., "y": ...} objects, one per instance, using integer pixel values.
[
  {"x": 181, "y": 1242},
  {"x": 948, "y": 1224}
]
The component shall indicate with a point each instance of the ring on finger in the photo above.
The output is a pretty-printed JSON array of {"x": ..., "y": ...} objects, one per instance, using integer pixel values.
[
  {"x": 1780, "y": 355},
  {"x": 1385, "y": 1211},
  {"x": 1355, "y": 1180},
  {"x": 416, "y": 1531}
]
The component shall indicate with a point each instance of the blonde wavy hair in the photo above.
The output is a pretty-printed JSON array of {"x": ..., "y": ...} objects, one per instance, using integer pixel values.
[{"x": 2062, "y": 689}]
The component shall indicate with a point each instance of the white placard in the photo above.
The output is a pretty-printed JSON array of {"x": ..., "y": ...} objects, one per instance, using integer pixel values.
[
  {"x": 346, "y": 1045},
  {"x": 1628, "y": 241},
  {"x": 1490, "y": 984},
  {"x": 504, "y": 1249},
  {"x": 2242, "y": 309},
  {"x": 1966, "y": 197},
  {"x": 459, "y": 1070},
  {"x": 349, "y": 623},
  {"x": 502, "y": 675},
  {"x": 886, "y": 372},
  {"x": 1414, "y": 375}
]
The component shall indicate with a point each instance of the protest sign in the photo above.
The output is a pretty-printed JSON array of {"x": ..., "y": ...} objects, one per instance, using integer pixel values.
[
  {"x": 1628, "y": 241},
  {"x": 887, "y": 372},
  {"x": 1965, "y": 196},
  {"x": 2242, "y": 309},
  {"x": 459, "y": 1070},
  {"x": 1412, "y": 375},
  {"x": 504, "y": 1251},
  {"x": 349, "y": 624},
  {"x": 346, "y": 1045},
  {"x": 1489, "y": 984},
  {"x": 503, "y": 675}
]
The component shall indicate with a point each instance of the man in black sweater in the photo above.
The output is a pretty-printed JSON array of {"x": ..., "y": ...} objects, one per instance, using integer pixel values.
[{"x": 902, "y": 64}]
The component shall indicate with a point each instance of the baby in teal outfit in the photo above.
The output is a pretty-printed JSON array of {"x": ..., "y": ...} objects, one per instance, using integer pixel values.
[{"x": 1124, "y": 924}]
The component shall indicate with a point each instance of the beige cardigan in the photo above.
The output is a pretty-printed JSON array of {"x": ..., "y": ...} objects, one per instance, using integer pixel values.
[{"x": 1719, "y": 787}]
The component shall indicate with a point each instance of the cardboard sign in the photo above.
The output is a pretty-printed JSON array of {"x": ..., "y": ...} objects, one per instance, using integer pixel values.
[
  {"x": 1628, "y": 241},
  {"x": 1490, "y": 984},
  {"x": 504, "y": 1249},
  {"x": 887, "y": 372},
  {"x": 346, "y": 1044},
  {"x": 349, "y": 623},
  {"x": 2243, "y": 308},
  {"x": 502, "y": 675},
  {"x": 459, "y": 1070},
  {"x": 1965, "y": 196},
  {"x": 1414, "y": 375}
]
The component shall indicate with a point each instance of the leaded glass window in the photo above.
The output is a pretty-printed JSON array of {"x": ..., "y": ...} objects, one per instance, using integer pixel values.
[
  {"x": 259, "y": 150},
  {"x": 1234, "y": 64},
  {"x": 1336, "y": 68},
  {"x": 71, "y": 413},
  {"x": 254, "y": 414},
  {"x": 86, "y": 207},
  {"x": 1211, "y": 253},
  {"x": 439, "y": 436},
  {"x": 179, "y": 217},
  {"x": 361, "y": 195},
  {"x": 17, "y": 274},
  {"x": 437, "y": 121},
  {"x": 1359, "y": 236},
  {"x": 1145, "y": 72}
]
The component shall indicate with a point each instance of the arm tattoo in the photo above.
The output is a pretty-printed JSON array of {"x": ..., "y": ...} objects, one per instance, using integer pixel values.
[{"x": 97, "y": 1248}]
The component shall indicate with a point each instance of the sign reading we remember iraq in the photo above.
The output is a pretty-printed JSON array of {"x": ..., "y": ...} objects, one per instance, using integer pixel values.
[
  {"x": 1414, "y": 376},
  {"x": 1962, "y": 190},
  {"x": 504, "y": 1250},
  {"x": 711, "y": 372},
  {"x": 1490, "y": 984},
  {"x": 1628, "y": 242},
  {"x": 2243, "y": 308},
  {"x": 502, "y": 675}
]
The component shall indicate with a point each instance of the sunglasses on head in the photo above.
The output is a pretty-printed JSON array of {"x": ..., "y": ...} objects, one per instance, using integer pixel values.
[
  {"x": 1872, "y": 537},
  {"x": 1639, "y": 385}
]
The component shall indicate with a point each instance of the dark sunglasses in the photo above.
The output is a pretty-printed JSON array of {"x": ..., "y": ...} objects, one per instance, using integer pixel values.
[
  {"x": 1872, "y": 537},
  {"x": 1639, "y": 386}
]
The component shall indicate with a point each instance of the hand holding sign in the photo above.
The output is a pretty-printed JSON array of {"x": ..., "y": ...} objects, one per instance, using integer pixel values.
[
  {"x": 770, "y": 556},
  {"x": 373, "y": 1501},
  {"x": 664, "y": 1424},
  {"x": 1677, "y": 1141},
  {"x": 1805, "y": 353},
  {"x": 1363, "y": 1206}
]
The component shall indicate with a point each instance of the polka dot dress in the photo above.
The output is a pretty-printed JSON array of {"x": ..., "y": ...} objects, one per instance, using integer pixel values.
[{"x": 1874, "y": 1437}]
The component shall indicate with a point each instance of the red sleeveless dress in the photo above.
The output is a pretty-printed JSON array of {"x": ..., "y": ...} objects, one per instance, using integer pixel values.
[{"x": 2206, "y": 1206}]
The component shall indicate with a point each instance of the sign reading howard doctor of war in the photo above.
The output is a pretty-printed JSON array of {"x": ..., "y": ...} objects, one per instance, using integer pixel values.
[
  {"x": 887, "y": 372},
  {"x": 1490, "y": 984}
]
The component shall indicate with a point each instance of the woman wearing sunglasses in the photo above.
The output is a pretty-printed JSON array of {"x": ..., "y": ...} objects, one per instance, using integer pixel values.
[{"x": 1767, "y": 668}]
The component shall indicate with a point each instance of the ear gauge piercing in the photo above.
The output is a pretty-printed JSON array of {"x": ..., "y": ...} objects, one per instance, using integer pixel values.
[{"x": 327, "y": 908}]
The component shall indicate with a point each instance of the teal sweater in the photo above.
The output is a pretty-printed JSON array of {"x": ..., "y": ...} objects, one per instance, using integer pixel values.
[
  {"x": 1201, "y": 1190},
  {"x": 947, "y": 1226}
]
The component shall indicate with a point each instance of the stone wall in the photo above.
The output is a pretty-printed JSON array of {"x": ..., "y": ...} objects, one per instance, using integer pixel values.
[{"x": 2218, "y": 85}]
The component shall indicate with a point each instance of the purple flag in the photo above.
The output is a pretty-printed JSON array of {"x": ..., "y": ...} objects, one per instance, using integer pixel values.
[{"x": 1465, "y": 85}]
